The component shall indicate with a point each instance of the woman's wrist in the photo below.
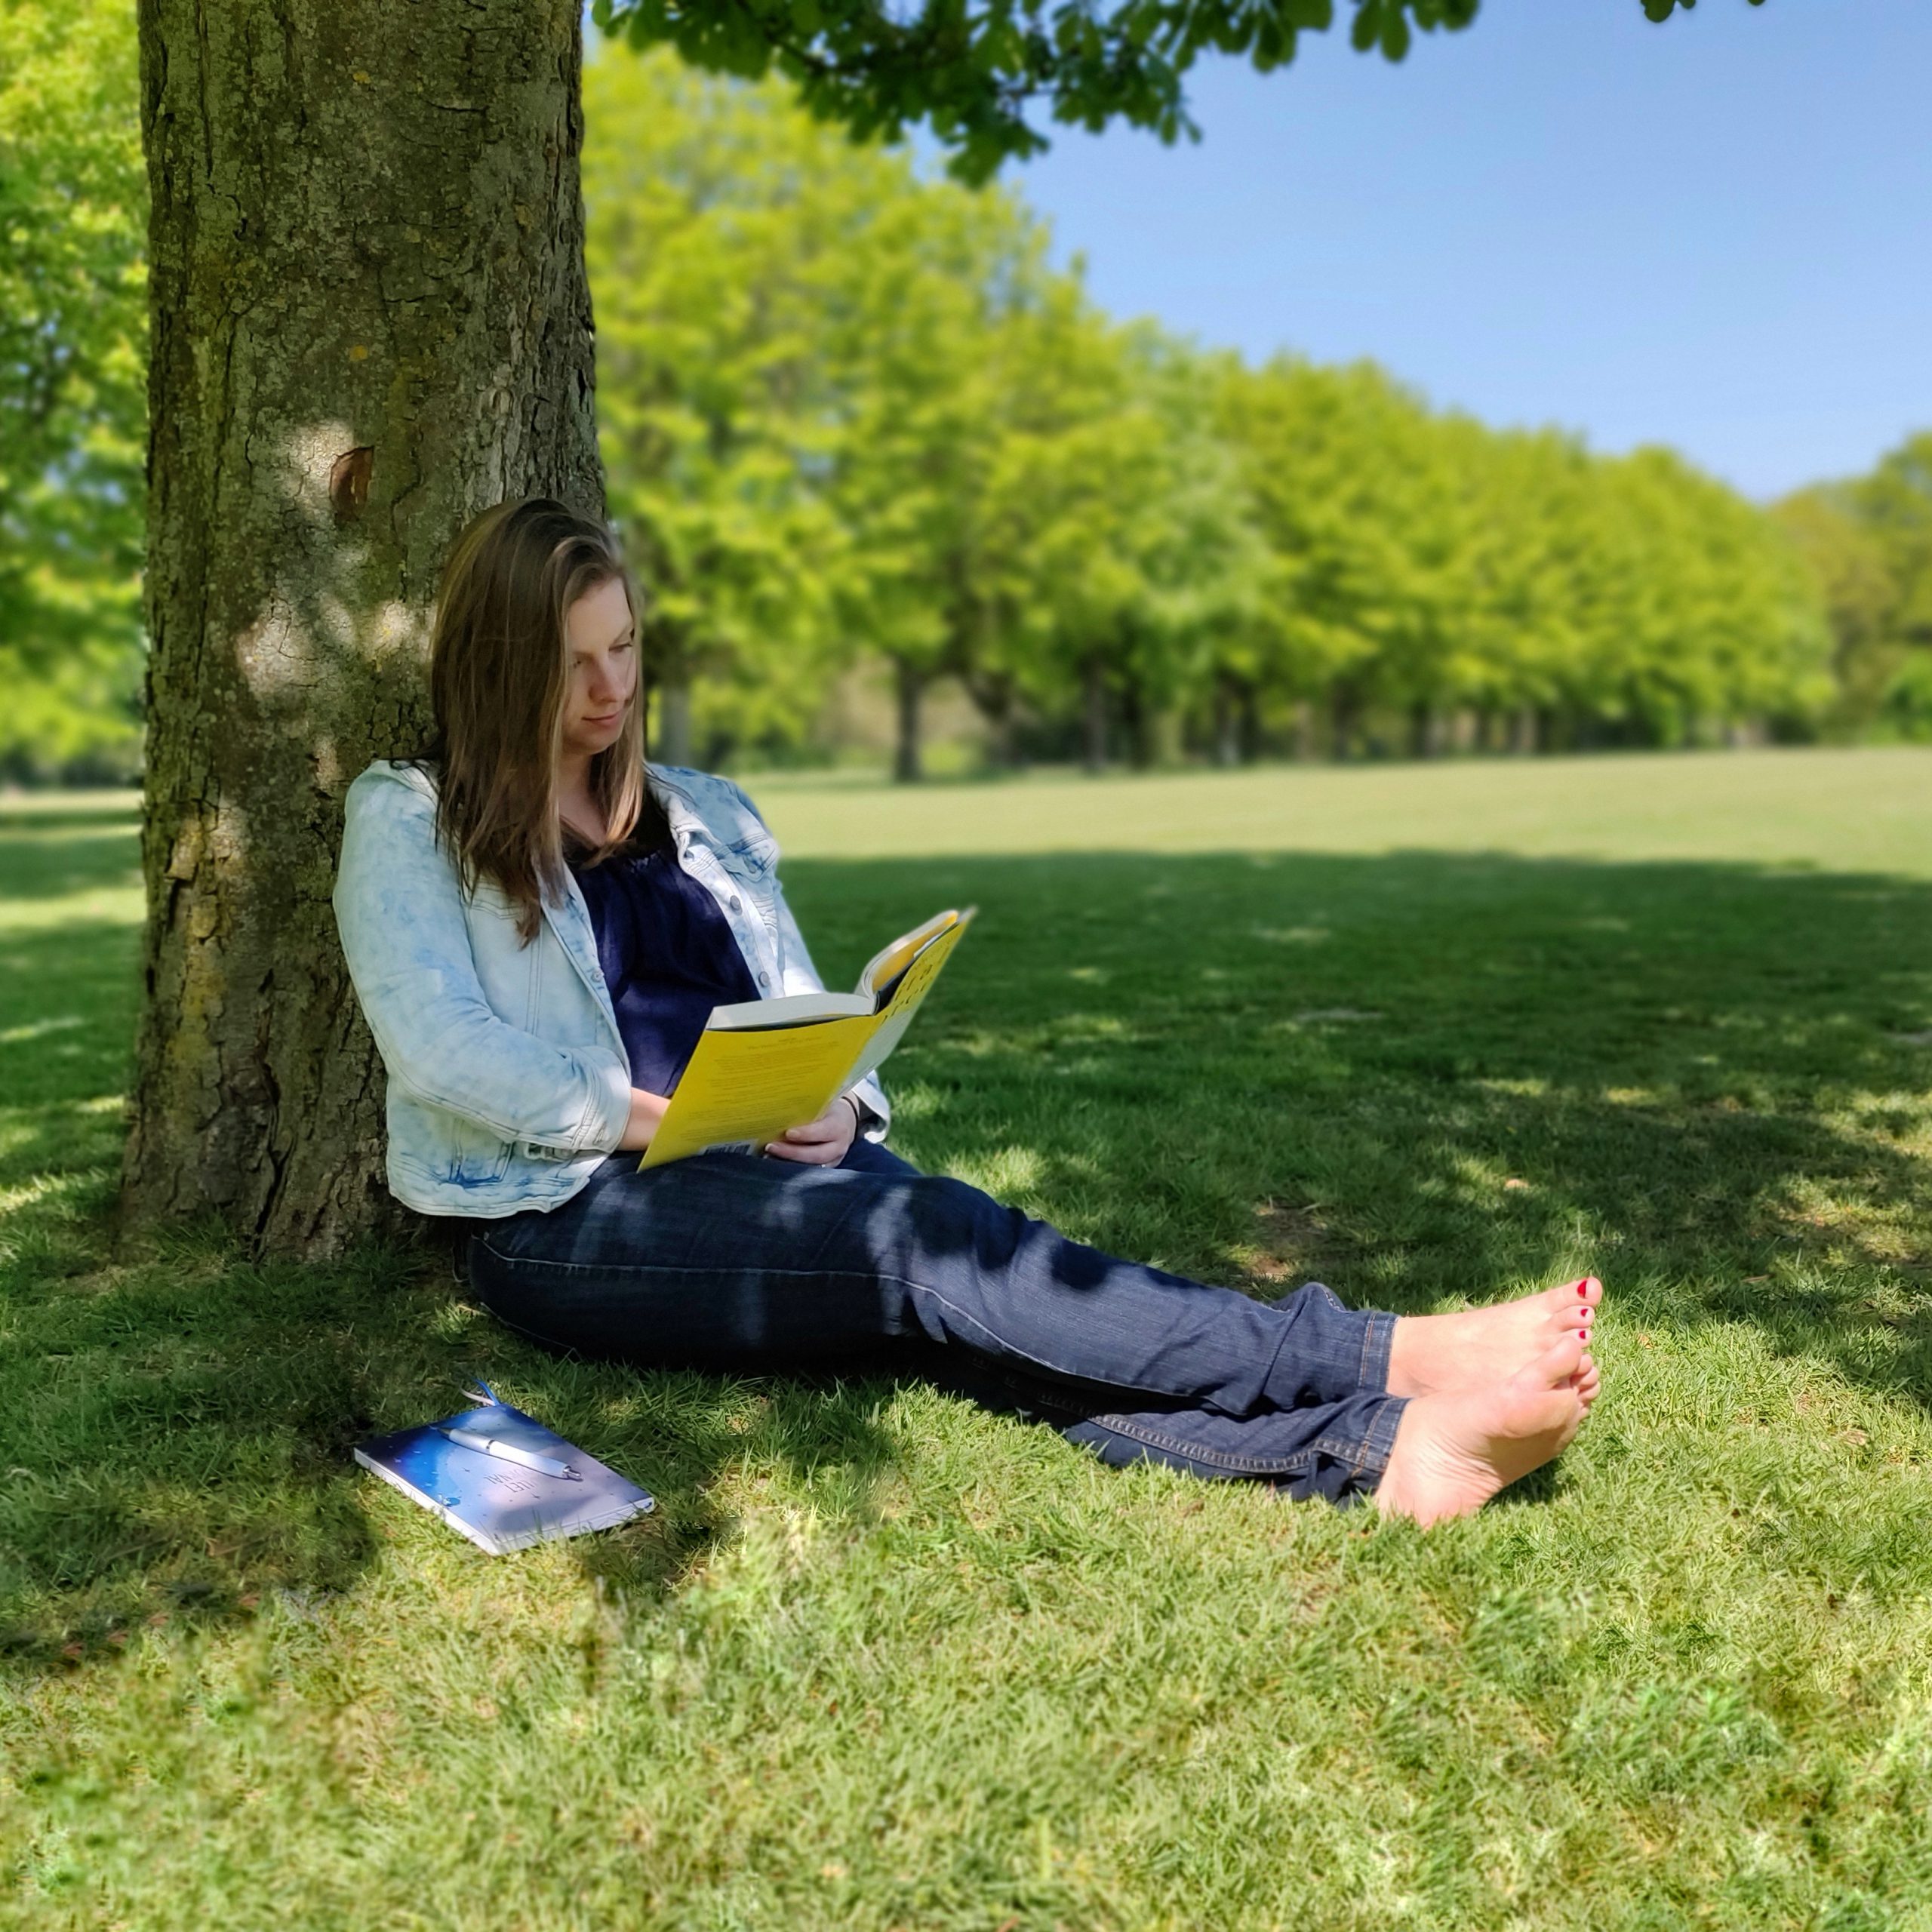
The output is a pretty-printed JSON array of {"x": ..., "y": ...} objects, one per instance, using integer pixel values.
[{"x": 646, "y": 1111}]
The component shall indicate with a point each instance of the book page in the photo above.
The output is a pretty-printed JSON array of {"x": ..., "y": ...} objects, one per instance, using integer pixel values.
[
  {"x": 885, "y": 966},
  {"x": 751, "y": 1085},
  {"x": 793, "y": 1009},
  {"x": 897, "y": 1014}
]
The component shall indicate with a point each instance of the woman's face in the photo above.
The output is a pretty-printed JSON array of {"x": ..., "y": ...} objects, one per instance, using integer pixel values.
[{"x": 601, "y": 639}]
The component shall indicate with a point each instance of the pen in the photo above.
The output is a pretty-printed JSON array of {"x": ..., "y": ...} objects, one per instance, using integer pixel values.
[{"x": 529, "y": 1459}]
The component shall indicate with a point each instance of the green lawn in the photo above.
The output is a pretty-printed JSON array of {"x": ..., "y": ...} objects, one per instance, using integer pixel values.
[{"x": 883, "y": 1660}]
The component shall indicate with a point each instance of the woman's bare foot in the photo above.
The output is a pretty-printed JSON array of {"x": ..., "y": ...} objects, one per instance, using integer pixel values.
[
  {"x": 1432, "y": 1354},
  {"x": 1586, "y": 1381},
  {"x": 1454, "y": 1452}
]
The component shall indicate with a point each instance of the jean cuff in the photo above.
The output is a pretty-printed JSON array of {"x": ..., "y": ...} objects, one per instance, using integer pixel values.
[
  {"x": 1378, "y": 1440},
  {"x": 1378, "y": 1340}
]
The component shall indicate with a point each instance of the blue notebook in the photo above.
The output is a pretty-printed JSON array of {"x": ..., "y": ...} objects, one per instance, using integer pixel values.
[{"x": 509, "y": 1482}]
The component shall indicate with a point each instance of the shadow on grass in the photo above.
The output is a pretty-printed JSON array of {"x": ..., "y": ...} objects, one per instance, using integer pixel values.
[{"x": 1419, "y": 1077}]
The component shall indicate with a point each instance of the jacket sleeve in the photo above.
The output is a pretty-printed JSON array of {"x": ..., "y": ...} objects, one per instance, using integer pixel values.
[
  {"x": 801, "y": 975},
  {"x": 399, "y": 911}
]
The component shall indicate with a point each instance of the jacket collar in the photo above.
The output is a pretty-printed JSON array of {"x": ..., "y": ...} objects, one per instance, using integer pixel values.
[{"x": 681, "y": 809}]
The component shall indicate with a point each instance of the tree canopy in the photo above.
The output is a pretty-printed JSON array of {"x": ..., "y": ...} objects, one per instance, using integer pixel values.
[
  {"x": 1868, "y": 542},
  {"x": 971, "y": 73}
]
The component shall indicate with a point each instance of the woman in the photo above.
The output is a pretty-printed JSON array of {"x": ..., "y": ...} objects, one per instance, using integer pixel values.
[{"x": 538, "y": 926}]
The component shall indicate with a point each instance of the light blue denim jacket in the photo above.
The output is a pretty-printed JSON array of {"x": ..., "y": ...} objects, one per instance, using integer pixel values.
[{"x": 508, "y": 1079}]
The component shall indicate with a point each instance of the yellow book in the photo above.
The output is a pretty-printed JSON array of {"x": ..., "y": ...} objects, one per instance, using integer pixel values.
[{"x": 766, "y": 1064}]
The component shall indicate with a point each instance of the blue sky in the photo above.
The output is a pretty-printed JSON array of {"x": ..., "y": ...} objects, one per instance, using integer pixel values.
[{"x": 1715, "y": 233}]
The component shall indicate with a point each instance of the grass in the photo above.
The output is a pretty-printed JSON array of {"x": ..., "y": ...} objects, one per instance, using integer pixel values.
[{"x": 884, "y": 1660}]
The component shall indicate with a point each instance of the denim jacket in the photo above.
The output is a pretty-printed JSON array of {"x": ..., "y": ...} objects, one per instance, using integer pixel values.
[{"x": 508, "y": 1079}]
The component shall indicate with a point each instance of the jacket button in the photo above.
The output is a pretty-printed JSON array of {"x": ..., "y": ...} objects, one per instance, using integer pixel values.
[
  {"x": 736, "y": 907},
  {"x": 765, "y": 979}
]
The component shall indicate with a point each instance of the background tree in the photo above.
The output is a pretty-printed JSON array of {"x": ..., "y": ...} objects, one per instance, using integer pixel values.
[
  {"x": 1321, "y": 451},
  {"x": 721, "y": 227},
  {"x": 73, "y": 327},
  {"x": 1894, "y": 504},
  {"x": 1120, "y": 523},
  {"x": 1854, "y": 580},
  {"x": 932, "y": 345}
]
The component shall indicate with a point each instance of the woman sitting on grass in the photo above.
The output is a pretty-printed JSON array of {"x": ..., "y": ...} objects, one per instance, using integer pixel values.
[{"x": 538, "y": 926}]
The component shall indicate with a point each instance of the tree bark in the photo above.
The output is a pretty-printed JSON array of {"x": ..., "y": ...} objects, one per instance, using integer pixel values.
[{"x": 370, "y": 320}]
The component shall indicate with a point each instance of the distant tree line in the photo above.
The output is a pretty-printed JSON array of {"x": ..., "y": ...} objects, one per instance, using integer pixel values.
[
  {"x": 847, "y": 411},
  {"x": 850, "y": 415}
]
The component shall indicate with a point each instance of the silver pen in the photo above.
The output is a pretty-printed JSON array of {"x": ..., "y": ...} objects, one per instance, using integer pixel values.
[{"x": 508, "y": 1452}]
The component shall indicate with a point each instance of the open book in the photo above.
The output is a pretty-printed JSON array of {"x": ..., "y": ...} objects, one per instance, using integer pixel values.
[{"x": 765, "y": 1065}]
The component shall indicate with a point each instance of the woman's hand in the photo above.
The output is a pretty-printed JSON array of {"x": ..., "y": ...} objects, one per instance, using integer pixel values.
[{"x": 820, "y": 1142}]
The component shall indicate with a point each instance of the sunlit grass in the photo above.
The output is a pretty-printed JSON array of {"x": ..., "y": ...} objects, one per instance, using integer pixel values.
[{"x": 882, "y": 1659}]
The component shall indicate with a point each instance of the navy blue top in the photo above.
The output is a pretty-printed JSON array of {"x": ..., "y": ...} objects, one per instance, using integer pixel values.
[{"x": 668, "y": 957}]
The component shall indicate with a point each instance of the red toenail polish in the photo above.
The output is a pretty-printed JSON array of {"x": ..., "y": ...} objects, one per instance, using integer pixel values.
[{"x": 1583, "y": 1289}]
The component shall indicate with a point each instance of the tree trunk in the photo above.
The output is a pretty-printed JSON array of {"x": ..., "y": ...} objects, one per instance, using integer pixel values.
[
  {"x": 995, "y": 699},
  {"x": 1096, "y": 721},
  {"x": 1227, "y": 722},
  {"x": 1344, "y": 709},
  {"x": 1303, "y": 739},
  {"x": 671, "y": 719},
  {"x": 907, "y": 767},
  {"x": 1151, "y": 729},
  {"x": 370, "y": 321}
]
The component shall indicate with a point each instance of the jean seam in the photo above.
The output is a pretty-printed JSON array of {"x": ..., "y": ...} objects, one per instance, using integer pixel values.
[
  {"x": 1367, "y": 1455},
  {"x": 1370, "y": 1455},
  {"x": 1220, "y": 1459}
]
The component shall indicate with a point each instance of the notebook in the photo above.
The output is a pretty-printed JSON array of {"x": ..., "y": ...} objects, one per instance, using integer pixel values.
[{"x": 493, "y": 1487}]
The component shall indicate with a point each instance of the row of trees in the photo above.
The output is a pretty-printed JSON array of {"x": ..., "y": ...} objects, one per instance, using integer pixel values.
[{"x": 848, "y": 414}]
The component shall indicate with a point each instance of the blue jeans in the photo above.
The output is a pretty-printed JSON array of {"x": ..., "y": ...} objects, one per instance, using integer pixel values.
[{"x": 758, "y": 1265}]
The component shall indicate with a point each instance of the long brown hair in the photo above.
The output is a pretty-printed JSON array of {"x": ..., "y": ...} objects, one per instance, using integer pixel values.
[{"x": 499, "y": 672}]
